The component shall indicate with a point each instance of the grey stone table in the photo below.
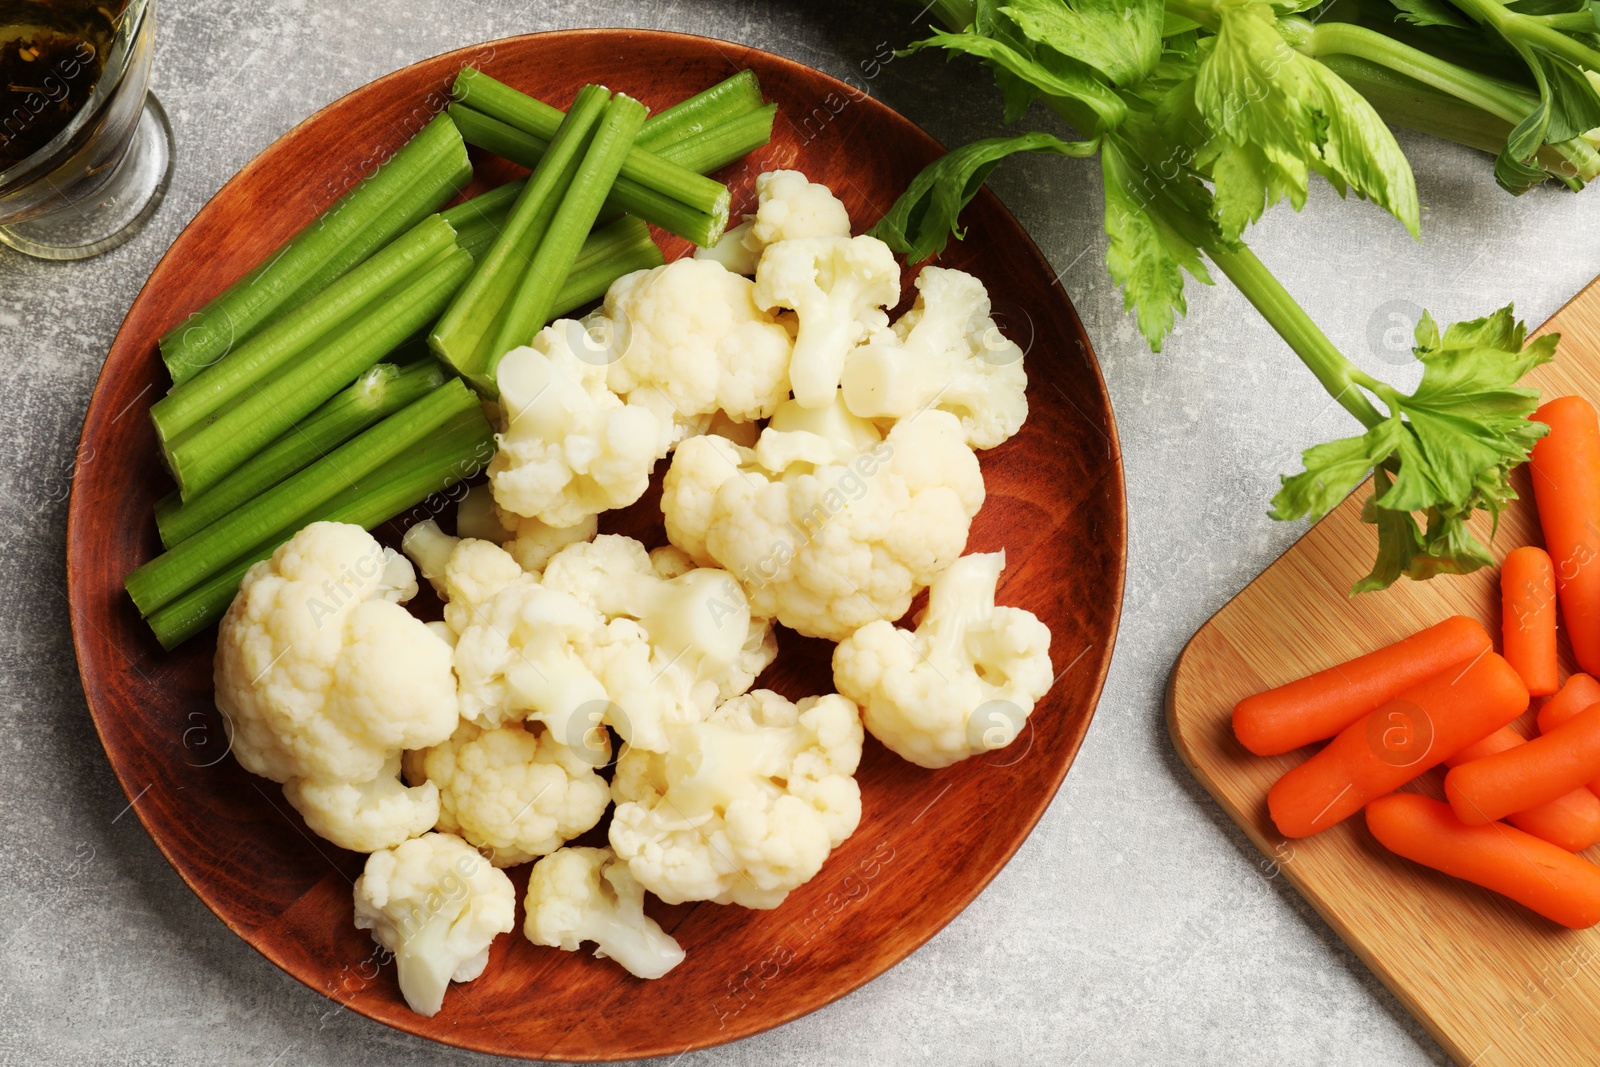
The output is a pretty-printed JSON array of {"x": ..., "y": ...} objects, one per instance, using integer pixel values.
[{"x": 1133, "y": 927}]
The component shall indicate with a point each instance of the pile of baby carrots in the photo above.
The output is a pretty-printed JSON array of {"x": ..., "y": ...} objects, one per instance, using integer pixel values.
[{"x": 1519, "y": 809}]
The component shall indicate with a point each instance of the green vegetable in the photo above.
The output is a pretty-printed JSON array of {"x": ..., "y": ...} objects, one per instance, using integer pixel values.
[
  {"x": 294, "y": 336},
  {"x": 293, "y": 502},
  {"x": 201, "y": 458},
  {"x": 377, "y": 394},
  {"x": 715, "y": 148},
  {"x": 423, "y": 174},
  {"x": 627, "y": 196},
  {"x": 1204, "y": 113},
  {"x": 456, "y": 452},
  {"x": 610, "y": 252},
  {"x": 540, "y": 289},
  {"x": 480, "y": 92},
  {"x": 728, "y": 99},
  {"x": 465, "y": 334}
]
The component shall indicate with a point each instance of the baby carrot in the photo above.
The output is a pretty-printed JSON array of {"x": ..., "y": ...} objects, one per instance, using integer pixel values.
[
  {"x": 1528, "y": 612},
  {"x": 1571, "y": 821},
  {"x": 1534, "y": 873},
  {"x": 1579, "y": 692},
  {"x": 1423, "y": 727},
  {"x": 1566, "y": 488},
  {"x": 1319, "y": 706},
  {"x": 1528, "y": 775}
]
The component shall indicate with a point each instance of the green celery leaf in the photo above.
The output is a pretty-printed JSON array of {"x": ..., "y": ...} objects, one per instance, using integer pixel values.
[
  {"x": 1445, "y": 451},
  {"x": 919, "y": 224},
  {"x": 1063, "y": 76},
  {"x": 1431, "y": 13},
  {"x": 1149, "y": 250},
  {"x": 1277, "y": 114},
  {"x": 1017, "y": 92},
  {"x": 1119, "y": 38}
]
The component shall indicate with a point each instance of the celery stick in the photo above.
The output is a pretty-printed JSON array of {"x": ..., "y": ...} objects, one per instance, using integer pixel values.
[
  {"x": 720, "y": 145},
  {"x": 202, "y": 457},
  {"x": 291, "y": 502},
  {"x": 610, "y": 252},
  {"x": 261, "y": 357},
  {"x": 429, "y": 169},
  {"x": 377, "y": 394},
  {"x": 478, "y": 237},
  {"x": 493, "y": 206},
  {"x": 463, "y": 334},
  {"x": 728, "y": 99},
  {"x": 558, "y": 251},
  {"x": 482, "y": 93},
  {"x": 451, "y": 456}
]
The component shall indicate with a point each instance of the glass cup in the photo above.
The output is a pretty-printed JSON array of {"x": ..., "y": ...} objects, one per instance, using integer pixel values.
[{"x": 100, "y": 178}]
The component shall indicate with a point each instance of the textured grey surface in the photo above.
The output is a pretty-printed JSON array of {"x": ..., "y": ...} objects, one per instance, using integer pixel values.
[{"x": 1134, "y": 926}]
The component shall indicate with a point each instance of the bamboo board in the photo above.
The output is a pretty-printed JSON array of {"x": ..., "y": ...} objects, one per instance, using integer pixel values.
[{"x": 1494, "y": 983}]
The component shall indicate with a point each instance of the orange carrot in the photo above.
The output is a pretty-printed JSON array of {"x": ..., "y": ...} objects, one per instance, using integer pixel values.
[
  {"x": 1579, "y": 692},
  {"x": 1528, "y": 614},
  {"x": 1317, "y": 707},
  {"x": 1423, "y": 727},
  {"x": 1528, "y": 775},
  {"x": 1571, "y": 821},
  {"x": 1534, "y": 873},
  {"x": 1566, "y": 487}
]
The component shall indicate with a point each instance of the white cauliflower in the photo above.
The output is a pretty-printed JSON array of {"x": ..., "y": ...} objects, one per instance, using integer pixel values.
[
  {"x": 437, "y": 905},
  {"x": 690, "y": 341},
  {"x": 789, "y": 208},
  {"x": 839, "y": 287},
  {"x": 569, "y": 448},
  {"x": 946, "y": 352},
  {"x": 963, "y": 683},
  {"x": 366, "y": 816},
  {"x": 746, "y": 806},
  {"x": 585, "y": 894},
  {"x": 678, "y": 637},
  {"x": 821, "y": 542},
  {"x": 530, "y": 542},
  {"x": 320, "y": 671},
  {"x": 480, "y": 518},
  {"x": 517, "y": 791},
  {"x": 520, "y": 647}
]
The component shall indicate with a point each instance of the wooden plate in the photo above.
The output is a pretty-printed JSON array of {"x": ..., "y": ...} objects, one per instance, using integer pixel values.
[
  {"x": 928, "y": 841},
  {"x": 1494, "y": 983}
]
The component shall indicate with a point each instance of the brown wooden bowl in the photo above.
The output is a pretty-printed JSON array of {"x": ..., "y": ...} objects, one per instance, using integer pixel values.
[{"x": 929, "y": 840}]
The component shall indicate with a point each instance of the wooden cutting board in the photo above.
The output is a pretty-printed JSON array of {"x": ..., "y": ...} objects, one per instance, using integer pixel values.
[{"x": 1494, "y": 983}]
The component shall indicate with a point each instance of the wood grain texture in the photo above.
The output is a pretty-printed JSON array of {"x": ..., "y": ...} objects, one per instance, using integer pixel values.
[
  {"x": 1494, "y": 983},
  {"x": 928, "y": 841}
]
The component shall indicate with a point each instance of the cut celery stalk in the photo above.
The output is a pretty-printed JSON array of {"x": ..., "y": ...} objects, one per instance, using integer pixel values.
[
  {"x": 428, "y": 170},
  {"x": 541, "y": 283},
  {"x": 377, "y": 394},
  {"x": 715, "y": 148},
  {"x": 467, "y": 328},
  {"x": 202, "y": 458},
  {"x": 711, "y": 107},
  {"x": 260, "y": 358},
  {"x": 290, "y": 503}
]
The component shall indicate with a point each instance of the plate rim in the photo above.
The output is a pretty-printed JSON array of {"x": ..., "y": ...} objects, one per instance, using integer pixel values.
[{"x": 1114, "y": 476}]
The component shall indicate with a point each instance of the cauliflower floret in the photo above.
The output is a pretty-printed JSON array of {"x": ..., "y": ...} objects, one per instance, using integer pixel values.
[
  {"x": 320, "y": 671},
  {"x": 692, "y": 342},
  {"x": 839, "y": 287},
  {"x": 790, "y": 208},
  {"x": 530, "y": 542},
  {"x": 822, "y": 543},
  {"x": 945, "y": 352},
  {"x": 963, "y": 683},
  {"x": 517, "y": 791},
  {"x": 678, "y": 637},
  {"x": 746, "y": 806},
  {"x": 536, "y": 542},
  {"x": 480, "y": 518},
  {"x": 569, "y": 448},
  {"x": 466, "y": 573},
  {"x": 584, "y": 894},
  {"x": 366, "y": 816},
  {"x": 437, "y": 905}
]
